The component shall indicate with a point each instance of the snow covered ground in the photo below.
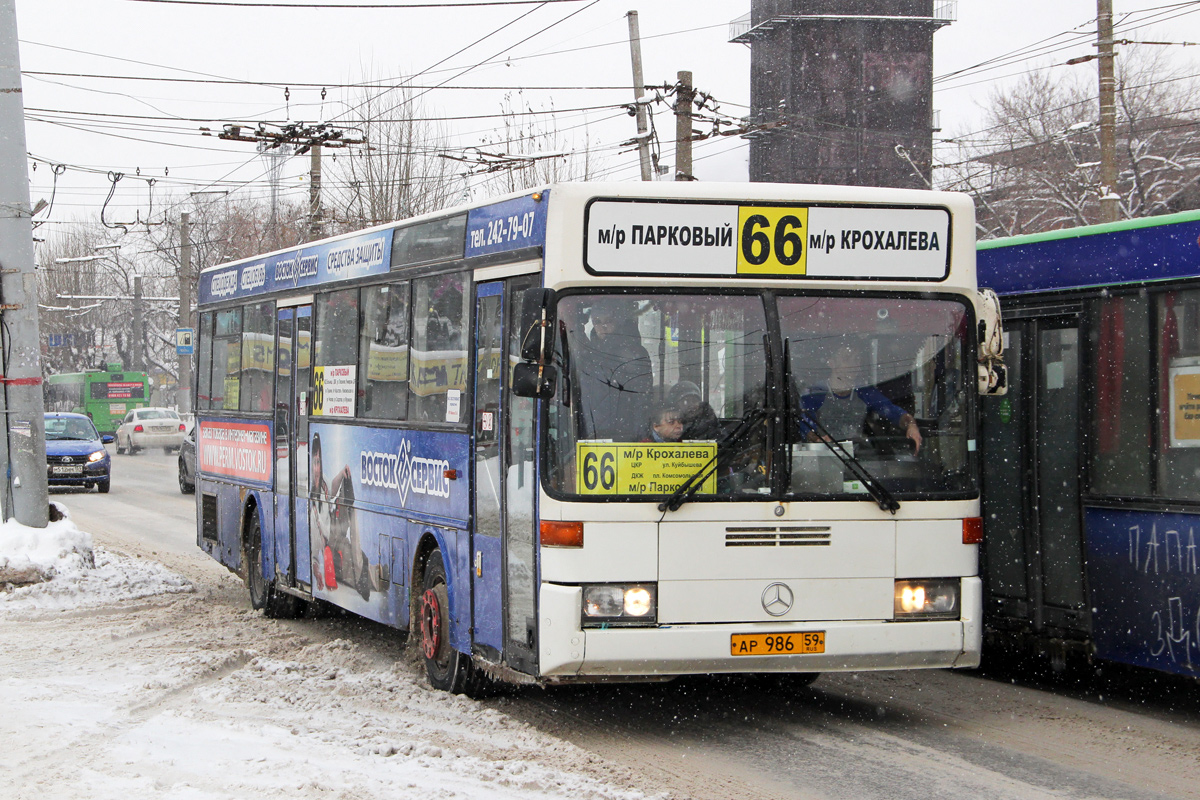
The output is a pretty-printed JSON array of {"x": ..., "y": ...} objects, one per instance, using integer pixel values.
[{"x": 121, "y": 679}]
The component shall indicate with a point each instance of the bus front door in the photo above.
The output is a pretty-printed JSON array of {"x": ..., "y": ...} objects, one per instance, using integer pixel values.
[
  {"x": 1033, "y": 540},
  {"x": 292, "y": 562},
  {"x": 505, "y": 487}
]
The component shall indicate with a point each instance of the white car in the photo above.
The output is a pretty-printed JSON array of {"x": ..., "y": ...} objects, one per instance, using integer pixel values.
[{"x": 150, "y": 427}]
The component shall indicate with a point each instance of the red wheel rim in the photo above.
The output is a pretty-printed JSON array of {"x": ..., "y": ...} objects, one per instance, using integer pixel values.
[{"x": 431, "y": 624}]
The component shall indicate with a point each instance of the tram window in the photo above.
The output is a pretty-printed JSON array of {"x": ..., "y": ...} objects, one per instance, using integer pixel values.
[
  {"x": 1120, "y": 444},
  {"x": 227, "y": 359},
  {"x": 439, "y": 349},
  {"x": 383, "y": 352},
  {"x": 258, "y": 357},
  {"x": 1179, "y": 394}
]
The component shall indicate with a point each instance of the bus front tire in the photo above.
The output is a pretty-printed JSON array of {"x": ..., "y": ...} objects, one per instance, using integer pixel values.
[
  {"x": 447, "y": 668},
  {"x": 263, "y": 595}
]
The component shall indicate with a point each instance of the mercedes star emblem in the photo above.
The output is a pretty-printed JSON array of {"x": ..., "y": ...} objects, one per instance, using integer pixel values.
[{"x": 777, "y": 599}]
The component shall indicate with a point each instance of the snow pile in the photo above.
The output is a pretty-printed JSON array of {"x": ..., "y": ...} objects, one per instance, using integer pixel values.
[
  {"x": 57, "y": 567},
  {"x": 32, "y": 555}
]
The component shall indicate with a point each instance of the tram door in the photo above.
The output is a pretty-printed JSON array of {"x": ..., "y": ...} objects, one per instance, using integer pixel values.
[
  {"x": 505, "y": 486},
  {"x": 1033, "y": 526}
]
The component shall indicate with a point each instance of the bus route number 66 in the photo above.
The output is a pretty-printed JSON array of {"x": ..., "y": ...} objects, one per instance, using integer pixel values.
[
  {"x": 600, "y": 472},
  {"x": 771, "y": 240}
]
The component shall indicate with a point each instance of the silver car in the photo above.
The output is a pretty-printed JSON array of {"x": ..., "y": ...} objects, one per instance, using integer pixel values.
[{"x": 150, "y": 427}]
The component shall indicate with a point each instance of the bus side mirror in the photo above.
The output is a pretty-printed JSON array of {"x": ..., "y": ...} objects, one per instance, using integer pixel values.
[
  {"x": 534, "y": 380},
  {"x": 993, "y": 374},
  {"x": 538, "y": 323}
]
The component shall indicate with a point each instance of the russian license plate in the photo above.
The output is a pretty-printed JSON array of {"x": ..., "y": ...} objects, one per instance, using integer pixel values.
[
  {"x": 72, "y": 469},
  {"x": 777, "y": 644}
]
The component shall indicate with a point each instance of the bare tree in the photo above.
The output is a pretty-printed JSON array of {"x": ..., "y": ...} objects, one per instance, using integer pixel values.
[
  {"x": 530, "y": 150},
  {"x": 1036, "y": 165},
  {"x": 398, "y": 174}
]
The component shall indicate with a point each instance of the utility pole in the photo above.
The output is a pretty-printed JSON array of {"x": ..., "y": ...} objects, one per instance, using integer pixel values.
[
  {"x": 23, "y": 445},
  {"x": 684, "y": 94},
  {"x": 643, "y": 126},
  {"x": 314, "y": 194},
  {"x": 1109, "y": 199},
  {"x": 139, "y": 340},
  {"x": 183, "y": 396}
]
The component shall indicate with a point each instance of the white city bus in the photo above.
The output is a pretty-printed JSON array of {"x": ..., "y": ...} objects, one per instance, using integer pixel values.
[{"x": 613, "y": 431}]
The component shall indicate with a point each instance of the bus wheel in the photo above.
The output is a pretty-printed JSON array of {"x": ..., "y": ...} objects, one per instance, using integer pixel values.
[
  {"x": 263, "y": 595},
  {"x": 448, "y": 669}
]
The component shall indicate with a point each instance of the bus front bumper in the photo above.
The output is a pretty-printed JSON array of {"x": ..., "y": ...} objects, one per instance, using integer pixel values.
[{"x": 568, "y": 651}]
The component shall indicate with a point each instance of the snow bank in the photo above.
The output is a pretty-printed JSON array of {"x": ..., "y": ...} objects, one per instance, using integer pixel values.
[{"x": 58, "y": 567}]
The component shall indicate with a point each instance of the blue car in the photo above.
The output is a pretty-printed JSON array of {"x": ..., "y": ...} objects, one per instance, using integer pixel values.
[{"x": 75, "y": 453}]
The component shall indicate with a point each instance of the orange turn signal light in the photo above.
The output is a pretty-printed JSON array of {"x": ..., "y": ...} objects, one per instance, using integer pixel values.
[
  {"x": 973, "y": 530},
  {"x": 561, "y": 534}
]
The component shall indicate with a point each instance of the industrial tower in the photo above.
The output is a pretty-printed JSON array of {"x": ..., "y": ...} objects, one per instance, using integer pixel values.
[{"x": 842, "y": 89}]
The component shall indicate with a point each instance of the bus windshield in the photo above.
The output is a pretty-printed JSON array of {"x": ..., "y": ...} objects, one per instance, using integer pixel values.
[{"x": 653, "y": 385}]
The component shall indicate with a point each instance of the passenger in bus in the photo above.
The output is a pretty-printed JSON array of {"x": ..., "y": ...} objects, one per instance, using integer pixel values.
[
  {"x": 840, "y": 405},
  {"x": 698, "y": 418},
  {"x": 615, "y": 373},
  {"x": 665, "y": 424}
]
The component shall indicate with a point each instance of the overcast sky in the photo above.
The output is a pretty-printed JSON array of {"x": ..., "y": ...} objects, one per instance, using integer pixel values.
[{"x": 580, "y": 43}]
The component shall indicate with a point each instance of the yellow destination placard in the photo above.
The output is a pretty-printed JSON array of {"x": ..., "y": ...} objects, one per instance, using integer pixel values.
[
  {"x": 620, "y": 468},
  {"x": 1185, "y": 406},
  {"x": 771, "y": 240}
]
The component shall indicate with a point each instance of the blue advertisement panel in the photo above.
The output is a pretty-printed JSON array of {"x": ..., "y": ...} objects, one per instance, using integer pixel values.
[
  {"x": 510, "y": 225},
  {"x": 1141, "y": 251},
  {"x": 352, "y": 257},
  {"x": 365, "y": 482},
  {"x": 1144, "y": 575}
]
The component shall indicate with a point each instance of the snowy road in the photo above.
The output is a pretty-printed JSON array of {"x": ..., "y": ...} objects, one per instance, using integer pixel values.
[{"x": 192, "y": 695}]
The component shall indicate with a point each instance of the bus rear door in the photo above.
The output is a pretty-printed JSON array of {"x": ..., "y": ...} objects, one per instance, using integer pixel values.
[{"x": 292, "y": 562}]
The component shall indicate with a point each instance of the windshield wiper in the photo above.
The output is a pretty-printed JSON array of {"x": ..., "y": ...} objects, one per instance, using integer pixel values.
[
  {"x": 693, "y": 484},
  {"x": 877, "y": 490}
]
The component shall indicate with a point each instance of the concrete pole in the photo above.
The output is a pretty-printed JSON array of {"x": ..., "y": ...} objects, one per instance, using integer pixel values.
[
  {"x": 643, "y": 125},
  {"x": 1109, "y": 199},
  {"x": 684, "y": 95},
  {"x": 183, "y": 397},
  {"x": 23, "y": 445},
  {"x": 314, "y": 194},
  {"x": 139, "y": 329}
]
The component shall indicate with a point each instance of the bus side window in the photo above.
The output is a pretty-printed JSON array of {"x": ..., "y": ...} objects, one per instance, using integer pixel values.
[
  {"x": 204, "y": 362},
  {"x": 383, "y": 352},
  {"x": 439, "y": 351}
]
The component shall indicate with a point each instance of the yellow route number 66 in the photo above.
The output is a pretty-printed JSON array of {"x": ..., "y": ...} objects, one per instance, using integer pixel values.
[{"x": 771, "y": 240}]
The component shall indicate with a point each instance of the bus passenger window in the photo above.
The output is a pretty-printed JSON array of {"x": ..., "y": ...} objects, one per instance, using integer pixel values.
[
  {"x": 258, "y": 357},
  {"x": 439, "y": 348},
  {"x": 383, "y": 352},
  {"x": 335, "y": 354},
  {"x": 227, "y": 360}
]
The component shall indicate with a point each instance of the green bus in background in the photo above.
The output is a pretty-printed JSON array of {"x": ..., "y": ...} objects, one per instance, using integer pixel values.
[{"x": 104, "y": 395}]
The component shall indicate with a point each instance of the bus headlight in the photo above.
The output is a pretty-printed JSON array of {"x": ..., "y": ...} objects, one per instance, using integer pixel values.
[
  {"x": 929, "y": 598},
  {"x": 619, "y": 604}
]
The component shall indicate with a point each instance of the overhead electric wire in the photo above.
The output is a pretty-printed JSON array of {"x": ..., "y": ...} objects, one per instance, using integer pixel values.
[
  {"x": 333, "y": 6},
  {"x": 306, "y": 85}
]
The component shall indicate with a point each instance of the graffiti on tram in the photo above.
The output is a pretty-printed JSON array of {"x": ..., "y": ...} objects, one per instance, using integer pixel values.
[{"x": 1146, "y": 566}]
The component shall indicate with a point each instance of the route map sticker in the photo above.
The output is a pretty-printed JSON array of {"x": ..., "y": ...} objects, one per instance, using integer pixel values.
[{"x": 616, "y": 468}]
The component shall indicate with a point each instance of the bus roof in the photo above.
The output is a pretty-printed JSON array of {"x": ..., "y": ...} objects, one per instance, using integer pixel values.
[
  {"x": 1133, "y": 251},
  {"x": 518, "y": 223}
]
